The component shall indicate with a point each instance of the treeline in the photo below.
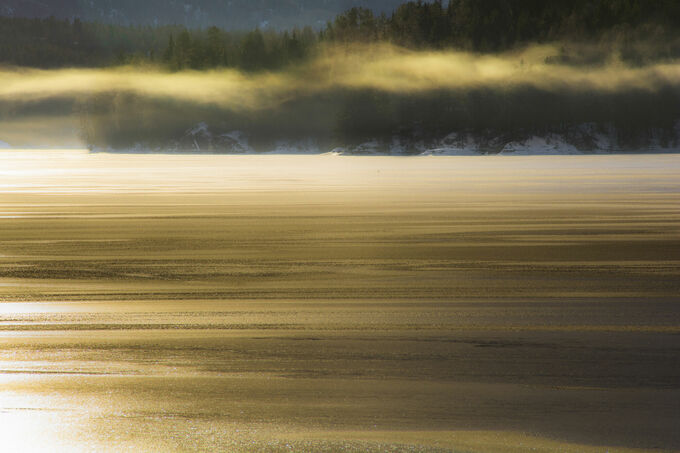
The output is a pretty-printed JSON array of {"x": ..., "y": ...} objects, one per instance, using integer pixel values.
[
  {"x": 251, "y": 51},
  {"x": 493, "y": 25},
  {"x": 54, "y": 43},
  {"x": 495, "y": 117},
  {"x": 389, "y": 122},
  {"x": 640, "y": 30}
]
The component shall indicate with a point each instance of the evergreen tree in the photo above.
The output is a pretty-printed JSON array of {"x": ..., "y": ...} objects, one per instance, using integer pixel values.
[
  {"x": 183, "y": 51},
  {"x": 169, "y": 57},
  {"x": 253, "y": 51}
]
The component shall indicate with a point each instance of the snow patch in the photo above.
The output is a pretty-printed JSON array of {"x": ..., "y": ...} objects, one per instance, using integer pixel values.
[
  {"x": 370, "y": 147},
  {"x": 457, "y": 144},
  {"x": 549, "y": 145},
  {"x": 201, "y": 138},
  {"x": 234, "y": 141},
  {"x": 587, "y": 138},
  {"x": 200, "y": 128},
  {"x": 450, "y": 152}
]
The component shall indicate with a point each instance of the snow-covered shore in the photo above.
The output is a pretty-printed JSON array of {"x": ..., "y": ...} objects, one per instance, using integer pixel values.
[{"x": 586, "y": 139}]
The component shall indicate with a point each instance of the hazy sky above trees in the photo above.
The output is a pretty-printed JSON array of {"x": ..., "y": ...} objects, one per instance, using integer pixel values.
[{"x": 231, "y": 14}]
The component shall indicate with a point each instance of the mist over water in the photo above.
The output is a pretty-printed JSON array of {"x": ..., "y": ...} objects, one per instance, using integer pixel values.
[
  {"x": 393, "y": 99},
  {"x": 379, "y": 67}
]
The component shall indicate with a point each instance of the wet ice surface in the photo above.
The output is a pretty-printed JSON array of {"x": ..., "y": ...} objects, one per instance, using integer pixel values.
[{"x": 322, "y": 303}]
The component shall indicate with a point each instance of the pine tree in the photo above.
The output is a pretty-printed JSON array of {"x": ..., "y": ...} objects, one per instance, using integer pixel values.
[{"x": 169, "y": 54}]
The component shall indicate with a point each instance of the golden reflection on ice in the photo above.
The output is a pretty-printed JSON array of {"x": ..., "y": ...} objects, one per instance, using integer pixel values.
[
  {"x": 76, "y": 172},
  {"x": 28, "y": 422},
  {"x": 325, "y": 303}
]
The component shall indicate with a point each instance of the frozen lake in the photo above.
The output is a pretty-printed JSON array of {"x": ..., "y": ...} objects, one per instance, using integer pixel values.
[{"x": 327, "y": 303}]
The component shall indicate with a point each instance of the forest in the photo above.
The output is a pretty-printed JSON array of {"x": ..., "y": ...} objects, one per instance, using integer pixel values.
[
  {"x": 578, "y": 70},
  {"x": 639, "y": 30}
]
